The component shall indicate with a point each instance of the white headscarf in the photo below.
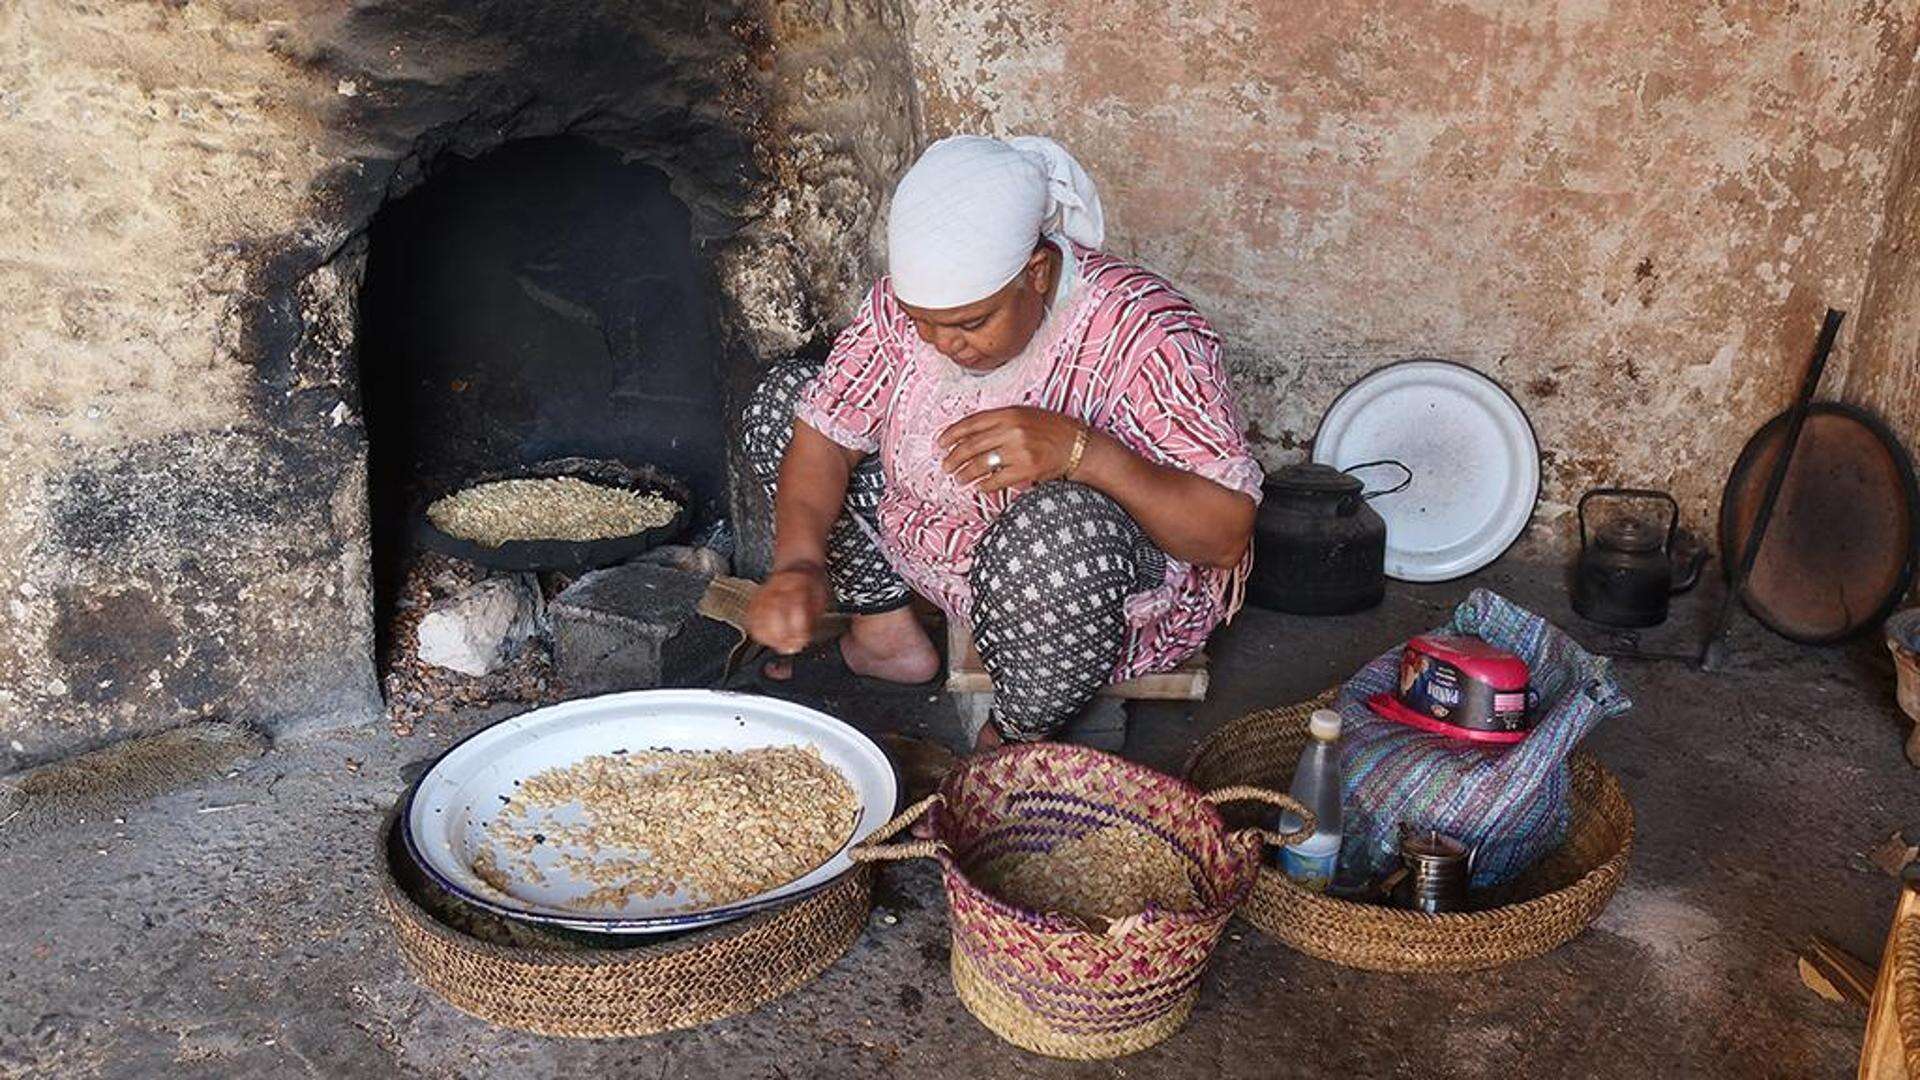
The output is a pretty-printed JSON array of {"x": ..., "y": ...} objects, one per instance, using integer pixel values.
[{"x": 966, "y": 217}]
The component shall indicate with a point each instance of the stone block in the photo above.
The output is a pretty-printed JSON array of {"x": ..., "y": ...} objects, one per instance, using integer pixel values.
[
  {"x": 480, "y": 628},
  {"x": 635, "y": 627},
  {"x": 693, "y": 559}
]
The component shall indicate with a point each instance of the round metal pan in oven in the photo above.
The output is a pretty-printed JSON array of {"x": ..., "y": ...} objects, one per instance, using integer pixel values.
[{"x": 572, "y": 556}]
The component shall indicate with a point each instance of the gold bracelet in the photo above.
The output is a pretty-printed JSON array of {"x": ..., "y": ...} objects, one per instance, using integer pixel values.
[{"x": 1079, "y": 450}]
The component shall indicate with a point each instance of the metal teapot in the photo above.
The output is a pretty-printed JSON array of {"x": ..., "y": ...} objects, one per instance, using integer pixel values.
[
  {"x": 1626, "y": 575},
  {"x": 1318, "y": 548}
]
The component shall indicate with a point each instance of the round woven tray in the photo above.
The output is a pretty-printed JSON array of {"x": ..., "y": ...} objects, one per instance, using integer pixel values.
[
  {"x": 555, "y": 985},
  {"x": 1545, "y": 908}
]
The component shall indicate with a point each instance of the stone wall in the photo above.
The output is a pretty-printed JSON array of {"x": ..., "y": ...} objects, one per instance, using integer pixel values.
[
  {"x": 1631, "y": 213},
  {"x": 184, "y": 188},
  {"x": 1885, "y": 374}
]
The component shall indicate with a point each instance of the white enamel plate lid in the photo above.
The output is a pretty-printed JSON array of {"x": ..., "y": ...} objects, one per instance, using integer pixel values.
[
  {"x": 449, "y": 811},
  {"x": 1476, "y": 466}
]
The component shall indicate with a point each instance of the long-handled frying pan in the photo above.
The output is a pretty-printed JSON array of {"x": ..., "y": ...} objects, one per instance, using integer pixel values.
[{"x": 1713, "y": 654}]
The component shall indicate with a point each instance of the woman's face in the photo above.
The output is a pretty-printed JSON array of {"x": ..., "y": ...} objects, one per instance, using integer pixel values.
[{"x": 987, "y": 333}]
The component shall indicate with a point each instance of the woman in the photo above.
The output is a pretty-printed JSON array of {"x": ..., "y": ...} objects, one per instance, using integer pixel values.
[{"x": 1029, "y": 432}]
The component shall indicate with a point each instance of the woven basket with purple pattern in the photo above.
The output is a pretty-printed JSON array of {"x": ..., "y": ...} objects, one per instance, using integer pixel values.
[{"x": 1082, "y": 967}]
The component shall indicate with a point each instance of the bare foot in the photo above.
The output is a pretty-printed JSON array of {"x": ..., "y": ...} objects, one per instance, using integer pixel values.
[{"x": 892, "y": 647}]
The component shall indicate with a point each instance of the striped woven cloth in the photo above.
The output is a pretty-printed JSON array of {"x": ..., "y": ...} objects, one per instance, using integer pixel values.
[{"x": 1511, "y": 801}]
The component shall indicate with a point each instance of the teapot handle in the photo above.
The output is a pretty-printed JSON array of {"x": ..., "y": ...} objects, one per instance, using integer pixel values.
[
  {"x": 1673, "y": 517},
  {"x": 1401, "y": 486}
]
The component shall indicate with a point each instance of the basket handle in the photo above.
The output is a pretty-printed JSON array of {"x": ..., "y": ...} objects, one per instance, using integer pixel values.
[
  {"x": 872, "y": 850},
  {"x": 1248, "y": 793}
]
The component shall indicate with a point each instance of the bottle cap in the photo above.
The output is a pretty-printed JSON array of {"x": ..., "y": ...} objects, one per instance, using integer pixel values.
[{"x": 1325, "y": 725}]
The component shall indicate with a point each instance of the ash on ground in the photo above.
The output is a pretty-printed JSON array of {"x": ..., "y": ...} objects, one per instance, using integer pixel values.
[{"x": 414, "y": 689}]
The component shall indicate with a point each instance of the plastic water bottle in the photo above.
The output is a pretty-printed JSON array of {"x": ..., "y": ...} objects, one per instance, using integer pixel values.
[{"x": 1316, "y": 785}]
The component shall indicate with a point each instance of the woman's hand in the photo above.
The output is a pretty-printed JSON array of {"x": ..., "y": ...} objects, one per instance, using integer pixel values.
[
  {"x": 786, "y": 610},
  {"x": 1034, "y": 446},
  {"x": 1192, "y": 518}
]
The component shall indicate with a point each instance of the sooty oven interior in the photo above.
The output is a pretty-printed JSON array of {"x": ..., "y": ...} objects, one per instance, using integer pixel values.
[
  {"x": 574, "y": 230},
  {"x": 542, "y": 300}
]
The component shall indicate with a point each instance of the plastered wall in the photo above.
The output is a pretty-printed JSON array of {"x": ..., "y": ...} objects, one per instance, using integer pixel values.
[{"x": 1632, "y": 213}]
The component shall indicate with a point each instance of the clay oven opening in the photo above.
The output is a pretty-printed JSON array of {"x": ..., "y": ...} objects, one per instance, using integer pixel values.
[
  {"x": 312, "y": 223},
  {"x": 540, "y": 301}
]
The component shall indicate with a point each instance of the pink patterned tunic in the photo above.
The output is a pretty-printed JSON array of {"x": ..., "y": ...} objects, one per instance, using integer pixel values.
[{"x": 1125, "y": 354}]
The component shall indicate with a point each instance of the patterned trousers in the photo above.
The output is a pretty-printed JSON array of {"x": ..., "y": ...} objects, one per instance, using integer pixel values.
[{"x": 1050, "y": 578}]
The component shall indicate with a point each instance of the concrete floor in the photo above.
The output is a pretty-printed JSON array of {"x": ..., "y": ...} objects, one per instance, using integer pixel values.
[{"x": 230, "y": 929}]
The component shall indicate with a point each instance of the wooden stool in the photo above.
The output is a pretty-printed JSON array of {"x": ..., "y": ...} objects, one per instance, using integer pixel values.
[
  {"x": 972, "y": 688},
  {"x": 1888, "y": 1047}
]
